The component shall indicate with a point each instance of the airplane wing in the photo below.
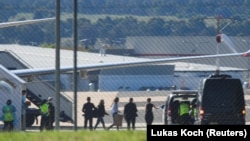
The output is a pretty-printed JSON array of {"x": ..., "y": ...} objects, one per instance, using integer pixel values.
[
  {"x": 41, "y": 71},
  {"x": 18, "y": 23}
]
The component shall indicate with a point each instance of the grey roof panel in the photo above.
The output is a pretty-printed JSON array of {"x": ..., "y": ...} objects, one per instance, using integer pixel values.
[{"x": 38, "y": 57}]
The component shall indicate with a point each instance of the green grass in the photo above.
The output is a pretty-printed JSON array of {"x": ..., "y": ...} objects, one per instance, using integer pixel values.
[{"x": 74, "y": 136}]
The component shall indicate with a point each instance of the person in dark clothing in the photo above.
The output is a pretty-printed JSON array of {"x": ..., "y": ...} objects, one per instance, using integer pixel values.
[
  {"x": 24, "y": 108},
  {"x": 44, "y": 109},
  {"x": 149, "y": 116},
  {"x": 51, "y": 119},
  {"x": 130, "y": 113},
  {"x": 101, "y": 112},
  {"x": 88, "y": 109}
]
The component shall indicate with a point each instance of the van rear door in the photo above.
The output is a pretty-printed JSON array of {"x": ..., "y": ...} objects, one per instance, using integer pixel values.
[{"x": 223, "y": 102}]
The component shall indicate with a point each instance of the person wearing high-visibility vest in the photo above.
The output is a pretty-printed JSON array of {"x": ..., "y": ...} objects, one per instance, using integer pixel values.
[
  {"x": 8, "y": 116},
  {"x": 44, "y": 109},
  {"x": 184, "y": 112},
  {"x": 51, "y": 117}
]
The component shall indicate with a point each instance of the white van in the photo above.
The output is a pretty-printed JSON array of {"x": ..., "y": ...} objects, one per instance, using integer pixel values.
[{"x": 172, "y": 104}]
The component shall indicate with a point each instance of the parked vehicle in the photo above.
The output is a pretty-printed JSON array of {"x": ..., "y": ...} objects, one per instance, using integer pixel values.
[
  {"x": 222, "y": 101},
  {"x": 172, "y": 105}
]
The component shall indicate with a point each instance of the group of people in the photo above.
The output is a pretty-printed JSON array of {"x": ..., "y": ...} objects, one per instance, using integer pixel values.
[
  {"x": 184, "y": 112},
  {"x": 90, "y": 111},
  {"x": 188, "y": 112},
  {"x": 47, "y": 111},
  {"x": 130, "y": 113}
]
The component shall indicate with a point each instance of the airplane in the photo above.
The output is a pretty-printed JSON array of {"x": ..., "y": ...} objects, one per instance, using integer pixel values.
[
  {"x": 25, "y": 22},
  {"x": 22, "y": 73},
  {"x": 32, "y": 72},
  {"x": 18, "y": 74},
  {"x": 63, "y": 69}
]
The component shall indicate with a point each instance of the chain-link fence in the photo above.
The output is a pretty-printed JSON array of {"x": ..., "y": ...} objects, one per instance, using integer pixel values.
[{"x": 112, "y": 32}]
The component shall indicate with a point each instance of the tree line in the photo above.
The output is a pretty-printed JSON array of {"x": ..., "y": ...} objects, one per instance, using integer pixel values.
[
  {"x": 185, "y": 21},
  {"x": 135, "y": 7}
]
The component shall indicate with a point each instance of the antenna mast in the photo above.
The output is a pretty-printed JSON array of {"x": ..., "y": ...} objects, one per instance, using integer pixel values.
[{"x": 219, "y": 39}]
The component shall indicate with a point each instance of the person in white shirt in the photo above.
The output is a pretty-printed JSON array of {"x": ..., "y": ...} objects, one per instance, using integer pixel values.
[{"x": 114, "y": 112}]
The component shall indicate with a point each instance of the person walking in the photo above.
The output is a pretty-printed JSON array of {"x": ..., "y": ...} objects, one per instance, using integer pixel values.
[
  {"x": 101, "y": 112},
  {"x": 51, "y": 118},
  {"x": 8, "y": 116},
  {"x": 130, "y": 113},
  {"x": 44, "y": 110},
  {"x": 88, "y": 109},
  {"x": 114, "y": 111},
  {"x": 149, "y": 116}
]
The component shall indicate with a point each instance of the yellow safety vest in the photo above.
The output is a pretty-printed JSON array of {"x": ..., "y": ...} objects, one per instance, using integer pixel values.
[
  {"x": 184, "y": 109},
  {"x": 8, "y": 113},
  {"x": 45, "y": 109}
]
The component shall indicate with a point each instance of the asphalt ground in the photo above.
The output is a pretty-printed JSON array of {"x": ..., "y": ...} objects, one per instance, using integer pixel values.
[{"x": 158, "y": 99}]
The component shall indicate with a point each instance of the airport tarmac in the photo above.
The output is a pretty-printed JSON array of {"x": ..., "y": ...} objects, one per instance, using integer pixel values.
[{"x": 158, "y": 98}]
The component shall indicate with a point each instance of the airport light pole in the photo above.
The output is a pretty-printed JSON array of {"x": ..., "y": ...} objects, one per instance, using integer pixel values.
[
  {"x": 218, "y": 37},
  {"x": 57, "y": 73},
  {"x": 75, "y": 63}
]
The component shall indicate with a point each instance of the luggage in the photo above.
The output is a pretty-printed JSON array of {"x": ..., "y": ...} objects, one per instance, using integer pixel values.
[{"x": 118, "y": 120}]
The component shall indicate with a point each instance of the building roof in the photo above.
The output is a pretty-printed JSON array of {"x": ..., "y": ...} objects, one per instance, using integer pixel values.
[
  {"x": 185, "y": 45},
  {"x": 170, "y": 46},
  {"x": 38, "y": 57}
]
